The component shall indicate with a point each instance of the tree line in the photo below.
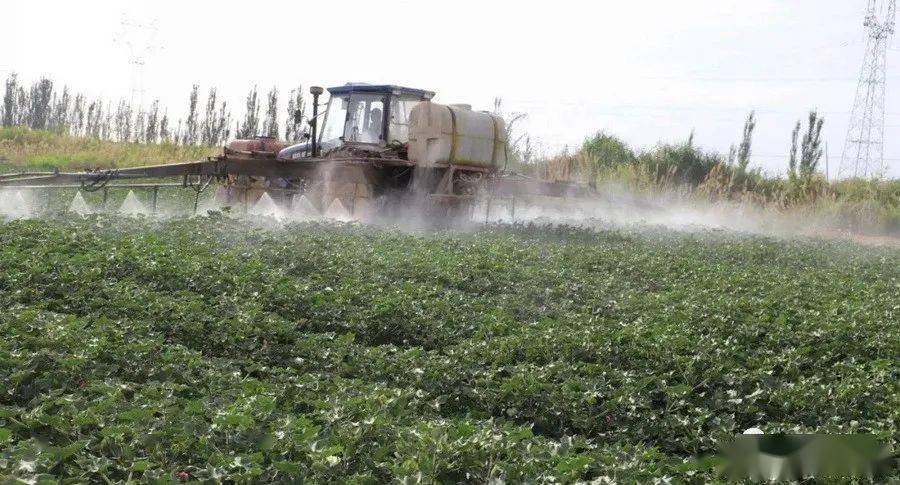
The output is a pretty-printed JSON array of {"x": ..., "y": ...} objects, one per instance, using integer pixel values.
[{"x": 43, "y": 105}]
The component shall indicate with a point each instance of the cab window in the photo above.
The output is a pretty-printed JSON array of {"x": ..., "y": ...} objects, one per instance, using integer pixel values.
[
  {"x": 399, "y": 127},
  {"x": 365, "y": 118}
]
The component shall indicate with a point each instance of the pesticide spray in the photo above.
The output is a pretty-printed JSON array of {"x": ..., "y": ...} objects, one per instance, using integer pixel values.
[
  {"x": 14, "y": 205},
  {"x": 613, "y": 207}
]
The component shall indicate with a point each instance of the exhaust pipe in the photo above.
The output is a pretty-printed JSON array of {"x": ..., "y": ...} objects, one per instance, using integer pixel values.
[{"x": 316, "y": 91}]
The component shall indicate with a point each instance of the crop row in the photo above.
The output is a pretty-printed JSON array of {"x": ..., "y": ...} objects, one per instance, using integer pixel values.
[{"x": 203, "y": 348}]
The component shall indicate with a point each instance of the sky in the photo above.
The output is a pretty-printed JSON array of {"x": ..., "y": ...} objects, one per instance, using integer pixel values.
[{"x": 651, "y": 71}]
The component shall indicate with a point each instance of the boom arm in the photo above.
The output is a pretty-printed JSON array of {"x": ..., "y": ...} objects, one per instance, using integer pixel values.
[
  {"x": 219, "y": 167},
  {"x": 512, "y": 185}
]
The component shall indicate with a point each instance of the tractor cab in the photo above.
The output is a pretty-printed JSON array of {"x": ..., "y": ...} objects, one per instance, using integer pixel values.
[
  {"x": 369, "y": 114},
  {"x": 365, "y": 116}
]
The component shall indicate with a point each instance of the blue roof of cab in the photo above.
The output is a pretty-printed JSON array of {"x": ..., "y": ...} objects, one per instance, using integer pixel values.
[{"x": 379, "y": 88}]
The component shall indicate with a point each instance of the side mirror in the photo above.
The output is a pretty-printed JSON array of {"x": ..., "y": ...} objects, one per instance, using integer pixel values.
[{"x": 298, "y": 116}]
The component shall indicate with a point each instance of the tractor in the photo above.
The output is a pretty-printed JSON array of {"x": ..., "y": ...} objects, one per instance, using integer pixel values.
[{"x": 373, "y": 150}]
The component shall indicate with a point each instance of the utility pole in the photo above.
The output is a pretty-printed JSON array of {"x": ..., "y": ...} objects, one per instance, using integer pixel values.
[{"x": 863, "y": 154}]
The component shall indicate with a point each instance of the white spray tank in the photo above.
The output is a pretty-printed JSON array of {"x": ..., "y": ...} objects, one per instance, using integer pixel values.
[{"x": 441, "y": 135}]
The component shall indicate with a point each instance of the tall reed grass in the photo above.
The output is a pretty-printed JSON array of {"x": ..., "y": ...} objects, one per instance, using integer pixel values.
[{"x": 871, "y": 206}]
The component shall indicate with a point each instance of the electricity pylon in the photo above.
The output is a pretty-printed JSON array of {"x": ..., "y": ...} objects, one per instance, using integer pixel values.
[
  {"x": 863, "y": 154},
  {"x": 140, "y": 40}
]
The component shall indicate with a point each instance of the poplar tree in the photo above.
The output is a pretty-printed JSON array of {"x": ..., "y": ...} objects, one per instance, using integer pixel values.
[
  {"x": 9, "y": 101},
  {"x": 294, "y": 130},
  {"x": 191, "y": 128},
  {"x": 250, "y": 125},
  {"x": 270, "y": 127}
]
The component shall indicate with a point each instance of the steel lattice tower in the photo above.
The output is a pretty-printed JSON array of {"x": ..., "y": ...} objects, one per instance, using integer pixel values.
[{"x": 863, "y": 154}]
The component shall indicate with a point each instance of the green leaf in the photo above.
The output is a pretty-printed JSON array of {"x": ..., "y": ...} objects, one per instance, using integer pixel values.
[
  {"x": 679, "y": 389},
  {"x": 289, "y": 468}
]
